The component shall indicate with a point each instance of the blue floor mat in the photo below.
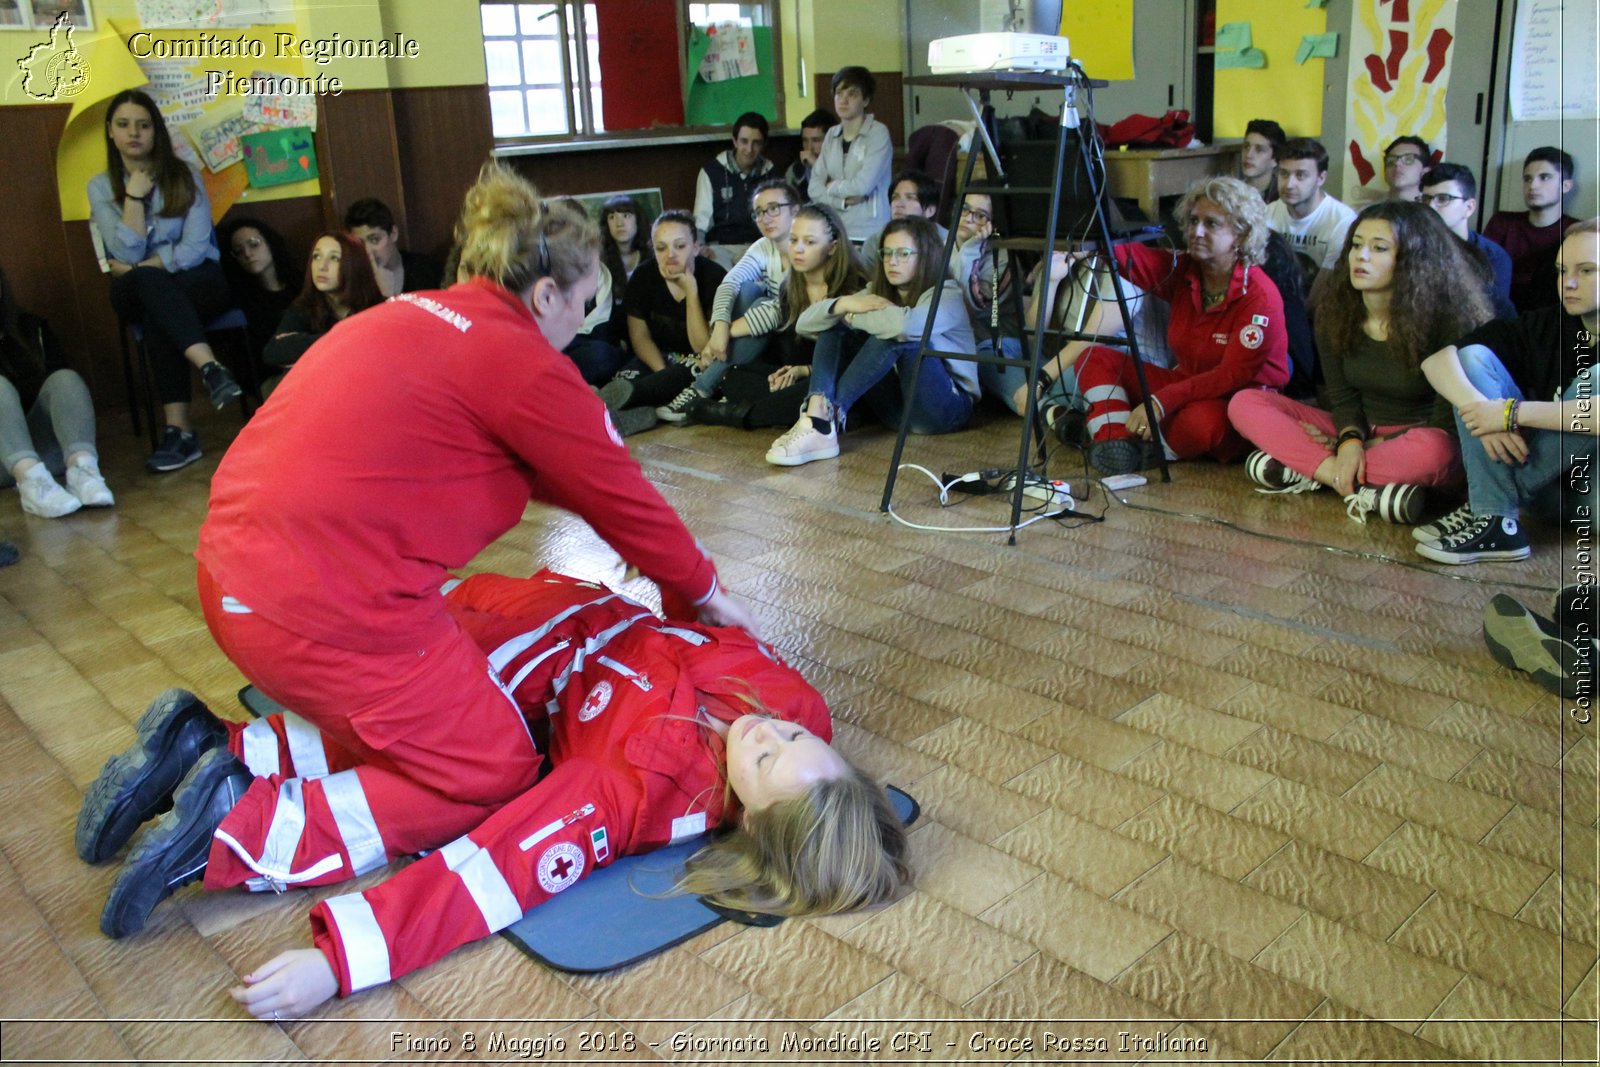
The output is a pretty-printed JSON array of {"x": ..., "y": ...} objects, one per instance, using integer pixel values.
[{"x": 611, "y": 919}]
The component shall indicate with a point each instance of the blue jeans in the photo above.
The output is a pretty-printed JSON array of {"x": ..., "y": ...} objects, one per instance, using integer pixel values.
[
  {"x": 741, "y": 350},
  {"x": 1003, "y": 382},
  {"x": 846, "y": 364},
  {"x": 1557, "y": 461}
]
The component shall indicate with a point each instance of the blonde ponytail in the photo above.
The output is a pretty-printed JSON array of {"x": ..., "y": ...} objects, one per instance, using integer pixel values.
[{"x": 510, "y": 236}]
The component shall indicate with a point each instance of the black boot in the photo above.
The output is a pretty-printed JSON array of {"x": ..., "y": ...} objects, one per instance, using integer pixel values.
[
  {"x": 719, "y": 413},
  {"x": 174, "y": 732},
  {"x": 174, "y": 852}
]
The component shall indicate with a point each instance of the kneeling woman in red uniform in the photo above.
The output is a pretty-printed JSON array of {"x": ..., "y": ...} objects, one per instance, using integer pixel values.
[
  {"x": 406, "y": 441},
  {"x": 656, "y": 731}
]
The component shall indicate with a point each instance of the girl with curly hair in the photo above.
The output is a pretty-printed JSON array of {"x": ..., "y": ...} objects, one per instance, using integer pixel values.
[
  {"x": 1407, "y": 290},
  {"x": 1227, "y": 333}
]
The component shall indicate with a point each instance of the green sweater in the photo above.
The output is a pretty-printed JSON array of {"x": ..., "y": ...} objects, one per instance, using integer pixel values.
[{"x": 1368, "y": 387}]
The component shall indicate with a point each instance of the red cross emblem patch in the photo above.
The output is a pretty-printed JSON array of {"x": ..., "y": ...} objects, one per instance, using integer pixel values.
[
  {"x": 560, "y": 866},
  {"x": 595, "y": 702}
]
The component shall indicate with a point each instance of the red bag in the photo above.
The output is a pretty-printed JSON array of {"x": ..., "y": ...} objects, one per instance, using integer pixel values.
[{"x": 1172, "y": 130}]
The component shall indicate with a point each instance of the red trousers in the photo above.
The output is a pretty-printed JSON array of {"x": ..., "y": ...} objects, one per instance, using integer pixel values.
[
  {"x": 389, "y": 753},
  {"x": 1108, "y": 381}
]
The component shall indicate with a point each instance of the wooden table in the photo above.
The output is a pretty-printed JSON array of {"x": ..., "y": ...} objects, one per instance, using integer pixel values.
[{"x": 1148, "y": 174}]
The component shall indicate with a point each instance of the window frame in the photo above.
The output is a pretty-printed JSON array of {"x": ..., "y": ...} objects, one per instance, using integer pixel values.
[{"x": 579, "y": 103}]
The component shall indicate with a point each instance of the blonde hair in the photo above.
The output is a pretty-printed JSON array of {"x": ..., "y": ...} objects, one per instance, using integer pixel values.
[
  {"x": 508, "y": 235},
  {"x": 842, "y": 271},
  {"x": 1244, "y": 207},
  {"x": 838, "y": 847}
]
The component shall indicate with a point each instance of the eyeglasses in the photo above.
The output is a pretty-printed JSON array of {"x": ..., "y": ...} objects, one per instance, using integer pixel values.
[
  {"x": 1404, "y": 159},
  {"x": 770, "y": 211},
  {"x": 898, "y": 255},
  {"x": 1440, "y": 199},
  {"x": 246, "y": 244},
  {"x": 976, "y": 215}
]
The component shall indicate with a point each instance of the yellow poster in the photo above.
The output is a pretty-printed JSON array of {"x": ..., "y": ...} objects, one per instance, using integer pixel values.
[
  {"x": 1100, "y": 36},
  {"x": 1279, "y": 88}
]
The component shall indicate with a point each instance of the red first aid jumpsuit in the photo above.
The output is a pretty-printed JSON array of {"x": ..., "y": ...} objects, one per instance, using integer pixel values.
[
  {"x": 617, "y": 689},
  {"x": 407, "y": 439}
]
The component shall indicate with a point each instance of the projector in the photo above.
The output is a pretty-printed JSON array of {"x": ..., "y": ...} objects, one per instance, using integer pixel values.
[{"x": 997, "y": 51}]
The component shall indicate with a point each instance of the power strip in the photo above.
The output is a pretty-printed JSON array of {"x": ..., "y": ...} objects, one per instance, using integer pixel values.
[{"x": 1055, "y": 493}]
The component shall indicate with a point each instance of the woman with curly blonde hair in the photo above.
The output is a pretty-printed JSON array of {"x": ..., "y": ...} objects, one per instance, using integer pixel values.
[
  {"x": 1227, "y": 333},
  {"x": 1407, "y": 290}
]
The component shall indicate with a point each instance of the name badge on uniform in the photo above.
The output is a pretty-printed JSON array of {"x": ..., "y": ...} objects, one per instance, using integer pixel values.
[{"x": 687, "y": 826}]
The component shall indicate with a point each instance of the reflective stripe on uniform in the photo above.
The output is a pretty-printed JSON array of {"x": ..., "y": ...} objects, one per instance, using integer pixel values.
[
  {"x": 305, "y": 747},
  {"x": 366, "y": 953},
  {"x": 510, "y": 649},
  {"x": 528, "y": 667},
  {"x": 490, "y": 892},
  {"x": 275, "y": 864},
  {"x": 591, "y": 646},
  {"x": 261, "y": 749},
  {"x": 347, "y": 801},
  {"x": 688, "y": 635}
]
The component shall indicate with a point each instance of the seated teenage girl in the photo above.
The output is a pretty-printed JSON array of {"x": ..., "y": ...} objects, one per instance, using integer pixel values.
[
  {"x": 667, "y": 305},
  {"x": 1407, "y": 289},
  {"x": 746, "y": 309},
  {"x": 863, "y": 338},
  {"x": 339, "y": 282},
  {"x": 263, "y": 278},
  {"x": 725, "y": 737},
  {"x": 154, "y": 219},
  {"x": 598, "y": 349}
]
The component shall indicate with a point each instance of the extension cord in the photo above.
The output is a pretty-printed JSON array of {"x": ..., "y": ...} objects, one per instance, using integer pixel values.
[{"x": 1055, "y": 493}]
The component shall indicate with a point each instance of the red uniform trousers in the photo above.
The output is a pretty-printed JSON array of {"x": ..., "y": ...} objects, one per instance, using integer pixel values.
[
  {"x": 395, "y": 752},
  {"x": 1108, "y": 381}
]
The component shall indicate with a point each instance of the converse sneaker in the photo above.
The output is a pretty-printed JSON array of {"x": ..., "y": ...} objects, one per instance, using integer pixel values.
[
  {"x": 1274, "y": 477},
  {"x": 1123, "y": 455},
  {"x": 179, "y": 448},
  {"x": 1397, "y": 503},
  {"x": 42, "y": 495},
  {"x": 1490, "y": 537},
  {"x": 1453, "y": 523},
  {"x": 219, "y": 380},
  {"x": 1525, "y": 641},
  {"x": 678, "y": 410},
  {"x": 807, "y": 440},
  {"x": 87, "y": 484}
]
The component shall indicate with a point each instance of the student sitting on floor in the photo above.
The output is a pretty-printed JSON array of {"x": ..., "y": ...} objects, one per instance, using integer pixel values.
[
  {"x": 746, "y": 309},
  {"x": 667, "y": 303},
  {"x": 1524, "y": 394},
  {"x": 373, "y": 226},
  {"x": 863, "y": 338},
  {"x": 912, "y": 194},
  {"x": 262, "y": 276},
  {"x": 1530, "y": 237},
  {"x": 725, "y": 737},
  {"x": 1407, "y": 286},
  {"x": 986, "y": 276},
  {"x": 339, "y": 282}
]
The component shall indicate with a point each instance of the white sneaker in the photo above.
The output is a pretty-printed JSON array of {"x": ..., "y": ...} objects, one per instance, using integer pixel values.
[
  {"x": 42, "y": 495},
  {"x": 1396, "y": 502},
  {"x": 88, "y": 484},
  {"x": 803, "y": 443}
]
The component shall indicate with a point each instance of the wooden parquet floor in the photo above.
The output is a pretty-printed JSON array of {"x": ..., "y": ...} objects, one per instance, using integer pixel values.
[{"x": 1200, "y": 790}]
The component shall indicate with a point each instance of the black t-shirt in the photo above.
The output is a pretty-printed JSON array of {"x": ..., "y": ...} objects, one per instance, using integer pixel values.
[
  {"x": 648, "y": 298},
  {"x": 1542, "y": 350},
  {"x": 421, "y": 272}
]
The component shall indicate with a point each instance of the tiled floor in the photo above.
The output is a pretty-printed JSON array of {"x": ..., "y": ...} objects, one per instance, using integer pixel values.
[{"x": 1225, "y": 776}]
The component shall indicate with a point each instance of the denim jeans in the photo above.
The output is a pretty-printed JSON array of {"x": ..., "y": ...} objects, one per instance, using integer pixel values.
[
  {"x": 846, "y": 364},
  {"x": 1540, "y": 482},
  {"x": 1003, "y": 382},
  {"x": 741, "y": 350}
]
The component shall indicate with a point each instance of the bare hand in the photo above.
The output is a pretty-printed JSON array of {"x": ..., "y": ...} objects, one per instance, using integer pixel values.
[
  {"x": 682, "y": 284},
  {"x": 725, "y": 609},
  {"x": 1484, "y": 417},
  {"x": 784, "y": 377},
  {"x": 1349, "y": 467},
  {"x": 139, "y": 183},
  {"x": 288, "y": 985},
  {"x": 119, "y": 268},
  {"x": 1504, "y": 447},
  {"x": 1138, "y": 425},
  {"x": 717, "y": 347}
]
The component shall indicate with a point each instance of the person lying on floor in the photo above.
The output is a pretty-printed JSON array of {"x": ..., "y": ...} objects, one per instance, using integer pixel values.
[{"x": 675, "y": 729}]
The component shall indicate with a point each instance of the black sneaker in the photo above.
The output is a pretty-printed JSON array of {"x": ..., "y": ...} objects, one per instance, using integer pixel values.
[
  {"x": 1453, "y": 523},
  {"x": 1069, "y": 424},
  {"x": 219, "y": 380},
  {"x": 1274, "y": 477},
  {"x": 1490, "y": 537},
  {"x": 678, "y": 410},
  {"x": 1396, "y": 502},
  {"x": 135, "y": 786},
  {"x": 1525, "y": 641},
  {"x": 178, "y": 449},
  {"x": 710, "y": 412},
  {"x": 1123, "y": 455},
  {"x": 174, "y": 852}
]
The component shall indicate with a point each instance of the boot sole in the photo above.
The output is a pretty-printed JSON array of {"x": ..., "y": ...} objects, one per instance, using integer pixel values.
[
  {"x": 143, "y": 883},
  {"x": 1436, "y": 553},
  {"x": 127, "y": 794},
  {"x": 1517, "y": 640},
  {"x": 800, "y": 461}
]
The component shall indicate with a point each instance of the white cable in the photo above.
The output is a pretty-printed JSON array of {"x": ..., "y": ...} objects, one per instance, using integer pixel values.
[{"x": 944, "y": 501}]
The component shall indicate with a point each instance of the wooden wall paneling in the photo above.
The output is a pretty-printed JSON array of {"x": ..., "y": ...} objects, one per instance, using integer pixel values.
[
  {"x": 357, "y": 151},
  {"x": 888, "y": 103},
  {"x": 444, "y": 136}
]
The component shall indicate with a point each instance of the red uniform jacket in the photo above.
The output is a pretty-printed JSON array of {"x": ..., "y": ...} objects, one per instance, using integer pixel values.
[
  {"x": 1241, "y": 342},
  {"x": 618, "y": 690}
]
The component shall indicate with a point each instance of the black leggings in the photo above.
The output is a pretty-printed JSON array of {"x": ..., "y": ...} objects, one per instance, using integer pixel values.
[{"x": 172, "y": 309}]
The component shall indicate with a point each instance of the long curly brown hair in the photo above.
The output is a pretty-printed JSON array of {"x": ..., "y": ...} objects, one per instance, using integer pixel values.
[{"x": 1436, "y": 295}]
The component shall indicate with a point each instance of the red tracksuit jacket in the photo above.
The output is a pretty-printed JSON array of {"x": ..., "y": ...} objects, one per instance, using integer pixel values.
[{"x": 617, "y": 688}]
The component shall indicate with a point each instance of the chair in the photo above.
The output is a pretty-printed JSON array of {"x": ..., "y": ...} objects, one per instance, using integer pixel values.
[
  {"x": 142, "y": 393},
  {"x": 933, "y": 150}
]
